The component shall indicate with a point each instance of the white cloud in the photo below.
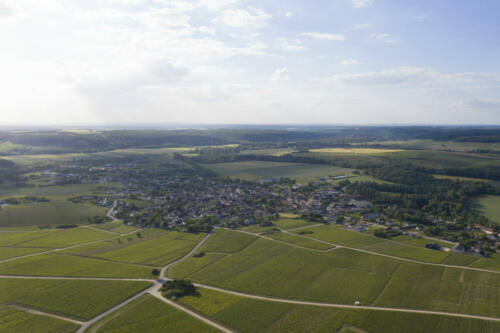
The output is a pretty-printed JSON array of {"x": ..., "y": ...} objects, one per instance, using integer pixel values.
[
  {"x": 218, "y": 4},
  {"x": 5, "y": 11},
  {"x": 289, "y": 14},
  {"x": 479, "y": 103},
  {"x": 421, "y": 17},
  {"x": 324, "y": 36},
  {"x": 361, "y": 3},
  {"x": 280, "y": 74},
  {"x": 347, "y": 62},
  {"x": 362, "y": 26},
  {"x": 242, "y": 18},
  {"x": 386, "y": 38},
  {"x": 290, "y": 45}
]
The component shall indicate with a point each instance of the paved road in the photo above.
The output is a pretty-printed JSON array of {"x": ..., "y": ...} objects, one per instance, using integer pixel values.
[{"x": 40, "y": 313}]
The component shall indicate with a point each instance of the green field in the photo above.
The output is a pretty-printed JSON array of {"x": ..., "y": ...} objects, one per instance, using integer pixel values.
[
  {"x": 12, "y": 252},
  {"x": 255, "y": 170},
  {"x": 158, "y": 251},
  {"x": 268, "y": 268},
  {"x": 148, "y": 314},
  {"x": 228, "y": 241},
  {"x": 250, "y": 315},
  {"x": 15, "y": 321},
  {"x": 339, "y": 235},
  {"x": 69, "y": 265},
  {"x": 287, "y": 223},
  {"x": 268, "y": 152},
  {"x": 59, "y": 238},
  {"x": 489, "y": 206},
  {"x": 420, "y": 241},
  {"x": 299, "y": 241},
  {"x": 49, "y": 213},
  {"x": 81, "y": 300}
]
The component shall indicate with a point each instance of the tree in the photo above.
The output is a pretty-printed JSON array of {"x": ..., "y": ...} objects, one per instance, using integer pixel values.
[{"x": 155, "y": 272}]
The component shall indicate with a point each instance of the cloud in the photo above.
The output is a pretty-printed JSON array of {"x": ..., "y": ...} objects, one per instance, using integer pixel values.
[
  {"x": 479, "y": 103},
  {"x": 386, "y": 38},
  {"x": 347, "y": 62},
  {"x": 280, "y": 74},
  {"x": 289, "y": 14},
  {"x": 413, "y": 76},
  {"x": 362, "y": 26},
  {"x": 218, "y": 4},
  {"x": 290, "y": 45},
  {"x": 242, "y": 18},
  {"x": 361, "y": 3},
  {"x": 5, "y": 11},
  {"x": 324, "y": 36},
  {"x": 421, "y": 17}
]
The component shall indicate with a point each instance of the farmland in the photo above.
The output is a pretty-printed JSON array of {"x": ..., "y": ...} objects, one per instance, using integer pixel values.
[
  {"x": 273, "y": 269},
  {"x": 250, "y": 315},
  {"x": 150, "y": 315},
  {"x": 75, "y": 299},
  {"x": 14, "y": 321},
  {"x": 256, "y": 170},
  {"x": 300, "y": 241},
  {"x": 490, "y": 207}
]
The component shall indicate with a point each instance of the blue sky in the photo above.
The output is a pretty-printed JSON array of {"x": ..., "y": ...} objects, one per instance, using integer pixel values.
[{"x": 85, "y": 62}]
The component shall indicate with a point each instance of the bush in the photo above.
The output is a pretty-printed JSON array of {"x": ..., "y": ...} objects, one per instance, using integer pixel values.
[{"x": 178, "y": 288}]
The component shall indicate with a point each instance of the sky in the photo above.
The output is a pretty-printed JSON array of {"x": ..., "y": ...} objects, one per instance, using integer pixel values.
[{"x": 104, "y": 62}]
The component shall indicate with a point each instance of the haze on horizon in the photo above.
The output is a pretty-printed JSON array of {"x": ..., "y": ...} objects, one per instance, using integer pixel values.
[{"x": 98, "y": 62}]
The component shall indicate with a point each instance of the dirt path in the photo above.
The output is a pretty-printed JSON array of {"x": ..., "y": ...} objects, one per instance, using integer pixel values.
[
  {"x": 158, "y": 295},
  {"x": 337, "y": 246},
  {"x": 344, "y": 306},
  {"x": 71, "y": 246},
  {"x": 189, "y": 254},
  {"x": 40, "y": 313}
]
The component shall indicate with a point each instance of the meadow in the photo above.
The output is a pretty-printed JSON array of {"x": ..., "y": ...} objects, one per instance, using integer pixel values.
[
  {"x": 81, "y": 300},
  {"x": 268, "y": 268},
  {"x": 361, "y": 151},
  {"x": 489, "y": 206},
  {"x": 58, "y": 238},
  {"x": 291, "y": 223},
  {"x": 268, "y": 152},
  {"x": 148, "y": 314},
  {"x": 250, "y": 315}
]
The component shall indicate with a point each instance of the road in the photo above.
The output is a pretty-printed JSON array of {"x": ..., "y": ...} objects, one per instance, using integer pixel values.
[
  {"x": 154, "y": 290},
  {"x": 40, "y": 313},
  {"x": 70, "y": 247}
]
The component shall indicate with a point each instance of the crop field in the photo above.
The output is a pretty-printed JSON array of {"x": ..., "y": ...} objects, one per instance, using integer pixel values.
[
  {"x": 148, "y": 314},
  {"x": 158, "y": 251},
  {"x": 408, "y": 252},
  {"x": 291, "y": 223},
  {"x": 69, "y": 265},
  {"x": 420, "y": 241},
  {"x": 268, "y": 152},
  {"x": 463, "y": 179},
  {"x": 489, "y": 206},
  {"x": 300, "y": 241},
  {"x": 49, "y": 213},
  {"x": 116, "y": 226},
  {"x": 254, "y": 170},
  {"x": 273, "y": 269},
  {"x": 460, "y": 259},
  {"x": 12, "y": 252},
  {"x": 341, "y": 236},
  {"x": 17, "y": 238},
  {"x": 59, "y": 190},
  {"x": 228, "y": 241},
  {"x": 77, "y": 299},
  {"x": 62, "y": 238},
  {"x": 15, "y": 321},
  {"x": 250, "y": 315},
  {"x": 257, "y": 228},
  {"x": 492, "y": 262},
  {"x": 361, "y": 151}
]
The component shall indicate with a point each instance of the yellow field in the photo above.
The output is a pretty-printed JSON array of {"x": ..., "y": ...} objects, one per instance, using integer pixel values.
[
  {"x": 365, "y": 151},
  {"x": 462, "y": 178}
]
